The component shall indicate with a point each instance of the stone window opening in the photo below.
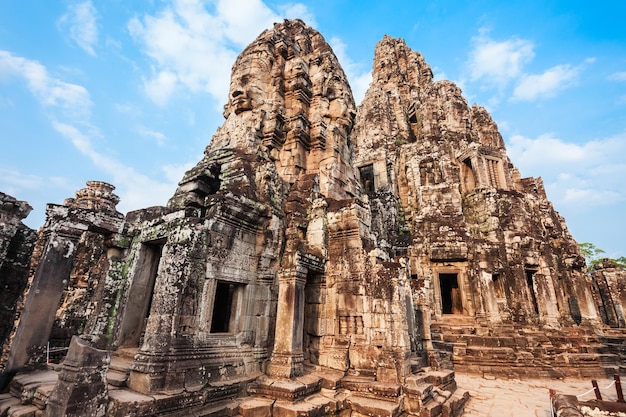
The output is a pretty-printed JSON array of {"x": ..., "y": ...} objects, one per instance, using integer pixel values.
[
  {"x": 225, "y": 307},
  {"x": 451, "y": 301},
  {"x": 412, "y": 112},
  {"x": 366, "y": 174},
  {"x": 498, "y": 286},
  {"x": 530, "y": 279},
  {"x": 467, "y": 172}
]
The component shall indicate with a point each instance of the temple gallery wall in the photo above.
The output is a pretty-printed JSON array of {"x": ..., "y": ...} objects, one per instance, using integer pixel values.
[{"x": 321, "y": 259}]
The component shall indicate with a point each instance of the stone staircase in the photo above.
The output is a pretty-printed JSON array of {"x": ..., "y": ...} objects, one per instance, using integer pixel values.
[
  {"x": 119, "y": 368},
  {"x": 28, "y": 393},
  {"x": 321, "y": 392},
  {"x": 428, "y": 393},
  {"x": 528, "y": 351}
]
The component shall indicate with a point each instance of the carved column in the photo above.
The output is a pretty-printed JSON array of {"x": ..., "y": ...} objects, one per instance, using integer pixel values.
[
  {"x": 287, "y": 357},
  {"x": 43, "y": 298}
]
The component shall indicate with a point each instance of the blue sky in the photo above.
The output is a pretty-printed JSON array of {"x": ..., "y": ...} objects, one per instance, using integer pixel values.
[{"x": 131, "y": 92}]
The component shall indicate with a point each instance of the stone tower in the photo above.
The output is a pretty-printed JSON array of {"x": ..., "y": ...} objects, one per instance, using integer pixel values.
[{"x": 444, "y": 193}]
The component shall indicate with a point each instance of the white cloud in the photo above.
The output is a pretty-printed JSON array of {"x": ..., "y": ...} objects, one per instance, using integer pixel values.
[
  {"x": 297, "y": 11},
  {"x": 358, "y": 77},
  {"x": 533, "y": 86},
  {"x": 159, "y": 137},
  {"x": 135, "y": 189},
  {"x": 498, "y": 62},
  {"x": 243, "y": 20},
  {"x": 618, "y": 76},
  {"x": 194, "y": 48},
  {"x": 48, "y": 90},
  {"x": 12, "y": 181},
  {"x": 175, "y": 172},
  {"x": 588, "y": 174},
  {"x": 6, "y": 102},
  {"x": 591, "y": 196},
  {"x": 80, "y": 24},
  {"x": 161, "y": 87}
]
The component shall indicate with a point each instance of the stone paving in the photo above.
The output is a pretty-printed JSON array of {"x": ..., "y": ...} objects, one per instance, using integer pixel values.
[{"x": 497, "y": 397}]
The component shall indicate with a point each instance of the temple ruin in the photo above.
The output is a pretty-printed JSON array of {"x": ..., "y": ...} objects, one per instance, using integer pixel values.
[{"x": 321, "y": 259}]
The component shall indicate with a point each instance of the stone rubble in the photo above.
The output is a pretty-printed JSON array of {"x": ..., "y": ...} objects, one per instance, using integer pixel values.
[{"x": 321, "y": 259}]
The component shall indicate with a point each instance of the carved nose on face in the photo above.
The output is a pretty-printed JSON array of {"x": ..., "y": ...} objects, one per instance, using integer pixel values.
[{"x": 237, "y": 93}]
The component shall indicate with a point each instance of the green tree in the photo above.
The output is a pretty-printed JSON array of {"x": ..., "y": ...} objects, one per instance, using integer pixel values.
[{"x": 593, "y": 255}]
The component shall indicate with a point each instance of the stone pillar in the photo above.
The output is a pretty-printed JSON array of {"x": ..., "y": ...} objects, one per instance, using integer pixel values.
[
  {"x": 43, "y": 299},
  {"x": 82, "y": 388},
  {"x": 154, "y": 369},
  {"x": 287, "y": 357}
]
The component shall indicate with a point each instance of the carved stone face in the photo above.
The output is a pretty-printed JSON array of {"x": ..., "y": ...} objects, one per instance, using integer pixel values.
[
  {"x": 250, "y": 84},
  {"x": 296, "y": 68},
  {"x": 335, "y": 88}
]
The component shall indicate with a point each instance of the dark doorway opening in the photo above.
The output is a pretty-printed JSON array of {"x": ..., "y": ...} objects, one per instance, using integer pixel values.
[
  {"x": 222, "y": 307},
  {"x": 451, "y": 302},
  {"x": 530, "y": 275},
  {"x": 314, "y": 294},
  {"x": 467, "y": 174},
  {"x": 366, "y": 173},
  {"x": 498, "y": 285}
]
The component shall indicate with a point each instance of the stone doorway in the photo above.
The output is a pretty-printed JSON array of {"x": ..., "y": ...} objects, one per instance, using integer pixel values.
[
  {"x": 530, "y": 279},
  {"x": 140, "y": 295},
  {"x": 314, "y": 298},
  {"x": 451, "y": 300}
]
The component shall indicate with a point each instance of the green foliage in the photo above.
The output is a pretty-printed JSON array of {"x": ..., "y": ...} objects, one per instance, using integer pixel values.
[{"x": 593, "y": 255}]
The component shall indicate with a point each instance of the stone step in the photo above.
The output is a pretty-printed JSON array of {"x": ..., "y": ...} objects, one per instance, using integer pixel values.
[
  {"x": 256, "y": 407},
  {"x": 22, "y": 410},
  {"x": 367, "y": 385},
  {"x": 374, "y": 407},
  {"x": 121, "y": 364},
  {"x": 6, "y": 402},
  {"x": 117, "y": 378},
  {"x": 25, "y": 385},
  {"x": 42, "y": 394},
  {"x": 286, "y": 389}
]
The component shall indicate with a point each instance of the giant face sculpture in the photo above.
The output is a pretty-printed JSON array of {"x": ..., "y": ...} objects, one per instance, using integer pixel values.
[{"x": 250, "y": 84}]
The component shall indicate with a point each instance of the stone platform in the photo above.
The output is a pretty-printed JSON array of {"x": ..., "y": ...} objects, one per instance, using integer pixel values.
[
  {"x": 516, "y": 351},
  {"x": 428, "y": 393}
]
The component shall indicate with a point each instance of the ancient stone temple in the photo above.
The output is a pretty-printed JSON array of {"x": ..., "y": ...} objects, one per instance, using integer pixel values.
[{"x": 319, "y": 260}]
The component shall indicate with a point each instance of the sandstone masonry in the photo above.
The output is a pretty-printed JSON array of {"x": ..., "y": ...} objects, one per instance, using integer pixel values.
[{"x": 319, "y": 260}]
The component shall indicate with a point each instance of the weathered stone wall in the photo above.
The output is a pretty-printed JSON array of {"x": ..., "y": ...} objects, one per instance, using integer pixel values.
[
  {"x": 67, "y": 275},
  {"x": 16, "y": 246}
]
